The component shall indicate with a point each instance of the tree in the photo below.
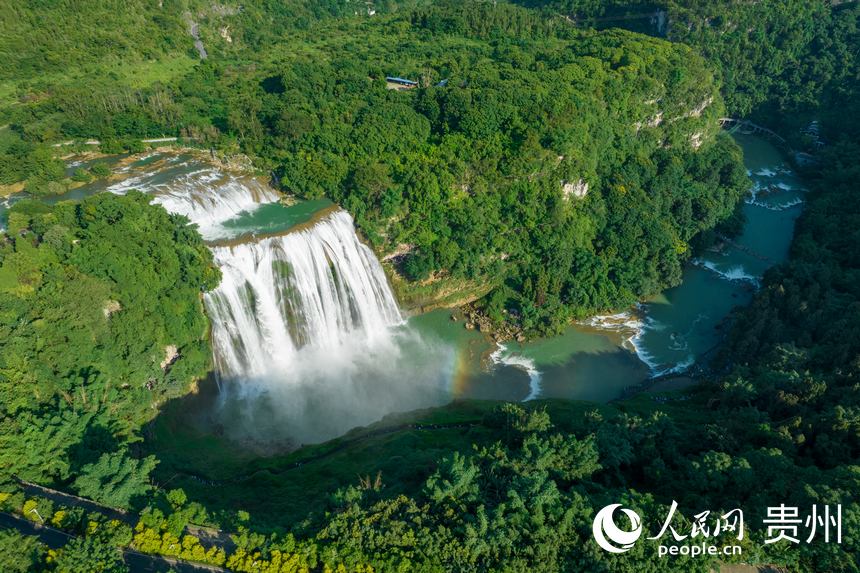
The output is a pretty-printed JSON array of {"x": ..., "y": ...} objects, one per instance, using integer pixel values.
[
  {"x": 89, "y": 555},
  {"x": 116, "y": 479},
  {"x": 20, "y": 553}
]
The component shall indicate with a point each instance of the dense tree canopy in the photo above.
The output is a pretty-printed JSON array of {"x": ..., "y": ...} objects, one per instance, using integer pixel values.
[
  {"x": 479, "y": 173},
  {"x": 568, "y": 170},
  {"x": 777, "y": 60},
  {"x": 92, "y": 294}
]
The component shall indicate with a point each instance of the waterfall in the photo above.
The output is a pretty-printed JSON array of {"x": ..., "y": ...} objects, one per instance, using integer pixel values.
[
  {"x": 309, "y": 341},
  {"x": 317, "y": 287},
  {"x": 307, "y": 336}
]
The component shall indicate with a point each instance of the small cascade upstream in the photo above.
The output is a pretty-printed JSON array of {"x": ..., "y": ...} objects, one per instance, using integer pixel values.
[
  {"x": 672, "y": 331},
  {"x": 320, "y": 288},
  {"x": 206, "y": 195}
]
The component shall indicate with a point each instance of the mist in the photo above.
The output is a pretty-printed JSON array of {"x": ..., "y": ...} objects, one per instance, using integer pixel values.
[{"x": 328, "y": 391}]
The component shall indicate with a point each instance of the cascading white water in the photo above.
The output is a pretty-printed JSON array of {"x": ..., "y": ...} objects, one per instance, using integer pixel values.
[
  {"x": 319, "y": 287},
  {"x": 505, "y": 357},
  {"x": 207, "y": 196},
  {"x": 308, "y": 339}
]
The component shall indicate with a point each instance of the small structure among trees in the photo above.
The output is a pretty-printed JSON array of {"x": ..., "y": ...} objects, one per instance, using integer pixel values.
[{"x": 395, "y": 83}]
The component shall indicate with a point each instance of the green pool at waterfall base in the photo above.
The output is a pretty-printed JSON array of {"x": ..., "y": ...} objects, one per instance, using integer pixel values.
[
  {"x": 580, "y": 364},
  {"x": 587, "y": 363}
]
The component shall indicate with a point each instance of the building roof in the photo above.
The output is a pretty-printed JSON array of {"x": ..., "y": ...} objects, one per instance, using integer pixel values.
[{"x": 403, "y": 81}]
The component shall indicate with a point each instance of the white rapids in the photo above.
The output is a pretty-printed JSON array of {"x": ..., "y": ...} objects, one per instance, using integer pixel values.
[
  {"x": 502, "y": 355},
  {"x": 634, "y": 324}
]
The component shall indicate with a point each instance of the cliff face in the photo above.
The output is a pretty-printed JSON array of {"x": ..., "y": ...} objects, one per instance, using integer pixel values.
[{"x": 435, "y": 292}]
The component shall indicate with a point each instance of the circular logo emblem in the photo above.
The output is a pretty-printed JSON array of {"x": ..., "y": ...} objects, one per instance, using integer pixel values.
[{"x": 609, "y": 536}]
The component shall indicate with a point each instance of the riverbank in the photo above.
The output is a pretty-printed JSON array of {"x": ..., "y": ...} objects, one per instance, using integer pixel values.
[
  {"x": 7, "y": 190},
  {"x": 471, "y": 356},
  {"x": 669, "y": 331}
]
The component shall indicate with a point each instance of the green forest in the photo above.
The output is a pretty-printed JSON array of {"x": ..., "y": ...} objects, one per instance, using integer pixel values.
[
  {"x": 465, "y": 180},
  {"x": 564, "y": 155},
  {"x": 101, "y": 318}
]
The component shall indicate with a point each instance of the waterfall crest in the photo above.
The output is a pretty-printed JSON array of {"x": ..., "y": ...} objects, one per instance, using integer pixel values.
[{"x": 318, "y": 287}]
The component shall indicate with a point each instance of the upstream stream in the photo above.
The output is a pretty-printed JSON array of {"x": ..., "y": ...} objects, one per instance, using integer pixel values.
[{"x": 309, "y": 341}]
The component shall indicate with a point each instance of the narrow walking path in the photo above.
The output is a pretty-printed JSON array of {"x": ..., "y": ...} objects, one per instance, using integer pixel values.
[
  {"x": 751, "y": 127},
  {"x": 340, "y": 447},
  {"x": 97, "y": 142}
]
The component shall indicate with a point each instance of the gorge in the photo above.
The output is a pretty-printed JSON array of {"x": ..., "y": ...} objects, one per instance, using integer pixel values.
[
  {"x": 259, "y": 311},
  {"x": 309, "y": 341}
]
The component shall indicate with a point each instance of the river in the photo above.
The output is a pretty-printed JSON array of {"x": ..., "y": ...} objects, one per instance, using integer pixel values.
[
  {"x": 598, "y": 359},
  {"x": 301, "y": 360}
]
